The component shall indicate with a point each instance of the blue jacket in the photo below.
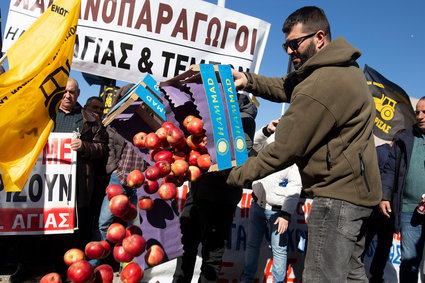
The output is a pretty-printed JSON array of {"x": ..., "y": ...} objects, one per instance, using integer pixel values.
[{"x": 394, "y": 175}]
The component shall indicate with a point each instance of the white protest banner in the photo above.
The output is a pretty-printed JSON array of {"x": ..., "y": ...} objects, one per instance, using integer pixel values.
[
  {"x": 46, "y": 203},
  {"x": 123, "y": 39}
]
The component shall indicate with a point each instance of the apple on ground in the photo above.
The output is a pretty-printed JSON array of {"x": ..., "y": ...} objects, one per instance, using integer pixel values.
[
  {"x": 196, "y": 127},
  {"x": 175, "y": 136},
  {"x": 139, "y": 139},
  {"x": 106, "y": 273},
  {"x": 134, "y": 244},
  {"x": 167, "y": 191},
  {"x": 115, "y": 233},
  {"x": 132, "y": 273},
  {"x": 163, "y": 155},
  {"x": 80, "y": 271},
  {"x": 119, "y": 205},
  {"x": 194, "y": 173},
  {"x": 133, "y": 229},
  {"x": 154, "y": 255},
  {"x": 73, "y": 255},
  {"x": 120, "y": 255},
  {"x": 94, "y": 250},
  {"x": 168, "y": 125},
  {"x": 152, "y": 173},
  {"x": 179, "y": 167},
  {"x": 106, "y": 248},
  {"x": 204, "y": 161},
  {"x": 145, "y": 203},
  {"x": 135, "y": 179},
  {"x": 152, "y": 141},
  {"x": 131, "y": 214},
  {"x": 164, "y": 168},
  {"x": 52, "y": 277}
]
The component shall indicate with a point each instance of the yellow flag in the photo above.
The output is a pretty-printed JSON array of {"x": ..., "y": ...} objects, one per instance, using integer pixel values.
[{"x": 30, "y": 91}]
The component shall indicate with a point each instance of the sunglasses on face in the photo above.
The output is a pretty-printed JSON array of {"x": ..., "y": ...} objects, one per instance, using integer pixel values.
[
  {"x": 417, "y": 112},
  {"x": 294, "y": 44}
]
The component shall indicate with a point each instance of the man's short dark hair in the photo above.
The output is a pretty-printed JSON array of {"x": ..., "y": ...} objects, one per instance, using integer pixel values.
[
  {"x": 90, "y": 100},
  {"x": 312, "y": 18}
]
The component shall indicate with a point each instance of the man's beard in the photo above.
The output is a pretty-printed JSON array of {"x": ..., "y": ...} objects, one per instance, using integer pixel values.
[{"x": 307, "y": 54}]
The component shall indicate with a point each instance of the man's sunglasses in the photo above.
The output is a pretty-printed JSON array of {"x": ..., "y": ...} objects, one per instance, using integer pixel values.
[
  {"x": 295, "y": 43},
  {"x": 419, "y": 112}
]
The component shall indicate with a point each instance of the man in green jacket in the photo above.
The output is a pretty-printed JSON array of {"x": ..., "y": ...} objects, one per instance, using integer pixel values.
[{"x": 327, "y": 132}]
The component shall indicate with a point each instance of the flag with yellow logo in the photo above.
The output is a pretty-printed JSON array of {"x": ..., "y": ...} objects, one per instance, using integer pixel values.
[
  {"x": 394, "y": 111},
  {"x": 30, "y": 91}
]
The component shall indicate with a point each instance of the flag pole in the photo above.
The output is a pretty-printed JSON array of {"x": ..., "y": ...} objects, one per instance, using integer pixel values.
[{"x": 3, "y": 58}]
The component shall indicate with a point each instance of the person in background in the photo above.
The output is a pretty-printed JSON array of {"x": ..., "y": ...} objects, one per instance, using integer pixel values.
[
  {"x": 327, "y": 133},
  {"x": 208, "y": 211},
  {"x": 274, "y": 199},
  {"x": 380, "y": 226},
  {"x": 403, "y": 182}
]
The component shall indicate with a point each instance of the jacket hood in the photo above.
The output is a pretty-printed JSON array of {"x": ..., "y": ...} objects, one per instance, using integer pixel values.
[{"x": 337, "y": 53}]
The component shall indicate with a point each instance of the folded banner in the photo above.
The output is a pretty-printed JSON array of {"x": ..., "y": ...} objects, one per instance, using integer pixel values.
[
  {"x": 30, "y": 91},
  {"x": 394, "y": 111}
]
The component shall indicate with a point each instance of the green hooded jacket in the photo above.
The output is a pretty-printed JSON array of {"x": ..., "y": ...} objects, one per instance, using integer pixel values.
[{"x": 326, "y": 131}]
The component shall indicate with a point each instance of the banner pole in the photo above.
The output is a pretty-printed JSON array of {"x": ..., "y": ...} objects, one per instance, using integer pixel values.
[{"x": 3, "y": 58}]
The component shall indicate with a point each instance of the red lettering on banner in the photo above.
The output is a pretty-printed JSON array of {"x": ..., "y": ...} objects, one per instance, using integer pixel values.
[
  {"x": 290, "y": 275},
  {"x": 36, "y": 219},
  {"x": 245, "y": 205},
  {"x": 268, "y": 270},
  {"x": 303, "y": 210},
  {"x": 181, "y": 197},
  {"x": 57, "y": 151},
  {"x": 397, "y": 236}
]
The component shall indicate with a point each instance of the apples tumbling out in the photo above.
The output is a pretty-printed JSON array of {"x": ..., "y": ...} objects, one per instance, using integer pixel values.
[
  {"x": 135, "y": 179},
  {"x": 81, "y": 271},
  {"x": 132, "y": 273},
  {"x": 154, "y": 255}
]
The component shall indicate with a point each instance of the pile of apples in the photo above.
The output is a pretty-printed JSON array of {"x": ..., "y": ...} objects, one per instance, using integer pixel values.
[{"x": 177, "y": 159}]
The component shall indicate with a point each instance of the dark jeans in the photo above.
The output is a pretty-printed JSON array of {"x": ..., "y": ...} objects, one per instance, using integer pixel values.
[
  {"x": 383, "y": 227},
  {"x": 335, "y": 242},
  {"x": 206, "y": 223}
]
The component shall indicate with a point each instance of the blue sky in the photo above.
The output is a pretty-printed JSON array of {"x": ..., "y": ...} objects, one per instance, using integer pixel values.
[{"x": 390, "y": 34}]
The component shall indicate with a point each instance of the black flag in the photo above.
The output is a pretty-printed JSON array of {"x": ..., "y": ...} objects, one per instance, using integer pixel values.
[{"x": 394, "y": 111}]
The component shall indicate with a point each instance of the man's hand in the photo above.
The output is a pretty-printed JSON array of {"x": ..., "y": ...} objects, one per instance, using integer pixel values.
[
  {"x": 271, "y": 127},
  {"x": 385, "y": 208},
  {"x": 240, "y": 79},
  {"x": 282, "y": 225},
  {"x": 76, "y": 144}
]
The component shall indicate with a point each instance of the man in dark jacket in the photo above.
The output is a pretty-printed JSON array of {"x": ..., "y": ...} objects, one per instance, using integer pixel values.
[
  {"x": 403, "y": 182},
  {"x": 207, "y": 215},
  {"x": 327, "y": 132}
]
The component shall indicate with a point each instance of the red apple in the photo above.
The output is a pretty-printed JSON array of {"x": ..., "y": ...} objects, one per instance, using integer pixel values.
[
  {"x": 114, "y": 190},
  {"x": 106, "y": 273},
  {"x": 73, "y": 255},
  {"x": 179, "y": 167},
  {"x": 81, "y": 271},
  {"x": 153, "y": 152},
  {"x": 204, "y": 161},
  {"x": 194, "y": 173},
  {"x": 115, "y": 233},
  {"x": 164, "y": 168},
  {"x": 94, "y": 250},
  {"x": 171, "y": 178},
  {"x": 152, "y": 173},
  {"x": 135, "y": 179},
  {"x": 196, "y": 127},
  {"x": 179, "y": 155},
  {"x": 203, "y": 145},
  {"x": 139, "y": 139},
  {"x": 106, "y": 248},
  {"x": 187, "y": 120},
  {"x": 132, "y": 273},
  {"x": 193, "y": 142},
  {"x": 119, "y": 205},
  {"x": 154, "y": 255},
  {"x": 133, "y": 229},
  {"x": 152, "y": 141},
  {"x": 131, "y": 214},
  {"x": 181, "y": 145},
  {"x": 150, "y": 186},
  {"x": 145, "y": 203},
  {"x": 164, "y": 155},
  {"x": 167, "y": 191},
  {"x": 193, "y": 157},
  {"x": 51, "y": 278},
  {"x": 162, "y": 134},
  {"x": 175, "y": 136},
  {"x": 134, "y": 244},
  {"x": 121, "y": 255},
  {"x": 168, "y": 125}
]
